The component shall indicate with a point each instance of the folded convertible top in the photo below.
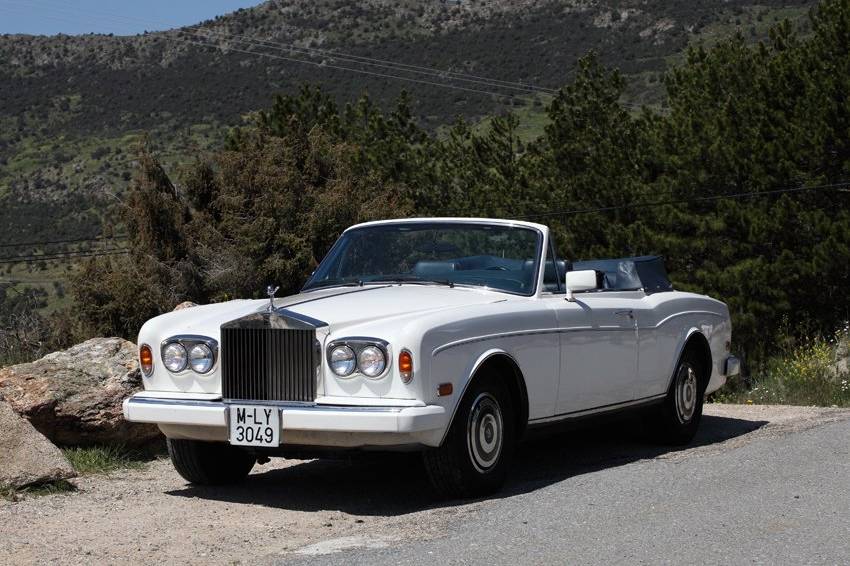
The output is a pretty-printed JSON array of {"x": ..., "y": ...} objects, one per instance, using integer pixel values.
[{"x": 630, "y": 273}]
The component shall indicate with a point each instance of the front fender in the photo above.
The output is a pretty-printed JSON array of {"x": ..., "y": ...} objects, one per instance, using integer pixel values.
[{"x": 515, "y": 383}]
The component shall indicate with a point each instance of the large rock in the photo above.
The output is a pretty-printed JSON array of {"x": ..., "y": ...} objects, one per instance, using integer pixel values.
[
  {"x": 74, "y": 397},
  {"x": 26, "y": 456}
]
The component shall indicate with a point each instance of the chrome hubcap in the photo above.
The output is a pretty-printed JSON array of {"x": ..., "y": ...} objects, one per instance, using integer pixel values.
[
  {"x": 686, "y": 393},
  {"x": 485, "y": 432}
]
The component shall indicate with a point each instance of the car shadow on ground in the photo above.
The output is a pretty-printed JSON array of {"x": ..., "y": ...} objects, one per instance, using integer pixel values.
[{"x": 373, "y": 484}]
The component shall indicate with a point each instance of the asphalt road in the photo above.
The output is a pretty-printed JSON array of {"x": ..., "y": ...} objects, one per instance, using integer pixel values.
[
  {"x": 746, "y": 494},
  {"x": 760, "y": 484}
]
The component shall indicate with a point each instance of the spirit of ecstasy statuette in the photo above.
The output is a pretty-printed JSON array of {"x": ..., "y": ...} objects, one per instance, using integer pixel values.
[{"x": 271, "y": 290}]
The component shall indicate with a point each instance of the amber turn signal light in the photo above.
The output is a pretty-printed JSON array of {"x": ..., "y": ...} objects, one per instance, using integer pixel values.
[
  {"x": 146, "y": 359},
  {"x": 445, "y": 389},
  {"x": 405, "y": 366}
]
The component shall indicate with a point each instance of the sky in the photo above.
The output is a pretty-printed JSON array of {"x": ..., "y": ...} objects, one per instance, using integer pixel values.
[{"x": 121, "y": 17}]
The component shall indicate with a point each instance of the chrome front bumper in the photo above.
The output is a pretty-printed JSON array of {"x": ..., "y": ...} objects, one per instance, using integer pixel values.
[{"x": 146, "y": 408}]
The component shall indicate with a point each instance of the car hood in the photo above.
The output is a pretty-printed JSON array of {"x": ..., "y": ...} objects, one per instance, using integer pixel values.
[
  {"x": 366, "y": 304},
  {"x": 339, "y": 308}
]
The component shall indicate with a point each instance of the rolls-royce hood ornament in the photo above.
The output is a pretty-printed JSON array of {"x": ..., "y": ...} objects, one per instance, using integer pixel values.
[{"x": 270, "y": 291}]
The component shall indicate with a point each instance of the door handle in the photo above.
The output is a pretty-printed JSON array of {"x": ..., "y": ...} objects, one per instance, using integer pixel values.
[{"x": 630, "y": 314}]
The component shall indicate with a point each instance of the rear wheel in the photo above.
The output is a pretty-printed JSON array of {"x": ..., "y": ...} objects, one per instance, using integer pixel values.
[
  {"x": 677, "y": 420},
  {"x": 209, "y": 463},
  {"x": 476, "y": 454}
]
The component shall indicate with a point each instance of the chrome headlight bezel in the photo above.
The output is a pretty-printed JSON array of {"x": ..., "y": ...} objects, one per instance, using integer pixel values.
[
  {"x": 357, "y": 345},
  {"x": 188, "y": 342}
]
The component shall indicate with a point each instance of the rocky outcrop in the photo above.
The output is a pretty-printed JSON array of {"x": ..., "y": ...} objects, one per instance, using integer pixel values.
[
  {"x": 74, "y": 397},
  {"x": 185, "y": 305},
  {"x": 26, "y": 456}
]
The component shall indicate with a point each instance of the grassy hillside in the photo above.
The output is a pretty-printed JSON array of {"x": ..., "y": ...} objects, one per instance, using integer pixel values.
[{"x": 73, "y": 108}]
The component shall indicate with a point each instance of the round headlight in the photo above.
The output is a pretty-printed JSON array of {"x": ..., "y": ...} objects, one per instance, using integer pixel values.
[
  {"x": 343, "y": 361},
  {"x": 174, "y": 357},
  {"x": 201, "y": 358},
  {"x": 371, "y": 361}
]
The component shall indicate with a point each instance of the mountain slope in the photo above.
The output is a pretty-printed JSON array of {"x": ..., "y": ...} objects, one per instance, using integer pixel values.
[{"x": 72, "y": 107}]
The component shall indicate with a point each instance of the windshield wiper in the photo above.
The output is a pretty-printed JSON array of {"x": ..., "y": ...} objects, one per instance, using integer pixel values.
[
  {"x": 335, "y": 283},
  {"x": 411, "y": 279}
]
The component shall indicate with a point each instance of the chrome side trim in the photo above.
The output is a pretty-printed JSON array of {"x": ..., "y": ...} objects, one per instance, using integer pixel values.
[
  {"x": 678, "y": 314},
  {"x": 597, "y": 410},
  {"x": 531, "y": 332},
  {"x": 514, "y": 333}
]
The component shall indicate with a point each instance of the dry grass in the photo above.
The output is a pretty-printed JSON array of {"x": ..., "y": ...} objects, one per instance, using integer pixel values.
[{"x": 811, "y": 371}]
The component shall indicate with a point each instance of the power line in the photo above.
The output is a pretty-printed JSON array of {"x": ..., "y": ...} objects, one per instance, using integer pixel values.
[
  {"x": 652, "y": 204},
  {"x": 253, "y": 41},
  {"x": 310, "y": 51},
  {"x": 30, "y": 281},
  {"x": 404, "y": 67},
  {"x": 341, "y": 68},
  {"x": 838, "y": 185},
  {"x": 317, "y": 64},
  {"x": 58, "y": 257},
  {"x": 68, "y": 241}
]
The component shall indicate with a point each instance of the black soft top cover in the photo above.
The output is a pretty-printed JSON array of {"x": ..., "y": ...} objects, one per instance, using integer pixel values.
[{"x": 630, "y": 273}]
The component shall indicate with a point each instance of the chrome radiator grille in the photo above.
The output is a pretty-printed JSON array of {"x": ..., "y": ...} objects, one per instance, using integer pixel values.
[{"x": 269, "y": 364}]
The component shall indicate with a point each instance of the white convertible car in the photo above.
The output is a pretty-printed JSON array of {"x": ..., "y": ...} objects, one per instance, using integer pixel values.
[{"x": 448, "y": 336}]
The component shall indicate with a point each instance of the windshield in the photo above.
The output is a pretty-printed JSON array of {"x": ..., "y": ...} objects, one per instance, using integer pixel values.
[{"x": 445, "y": 253}]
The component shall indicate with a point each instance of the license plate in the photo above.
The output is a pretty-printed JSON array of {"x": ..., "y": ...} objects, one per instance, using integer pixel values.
[{"x": 254, "y": 425}]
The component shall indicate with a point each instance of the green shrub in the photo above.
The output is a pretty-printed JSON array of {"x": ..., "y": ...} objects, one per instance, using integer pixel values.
[
  {"x": 810, "y": 372},
  {"x": 103, "y": 459}
]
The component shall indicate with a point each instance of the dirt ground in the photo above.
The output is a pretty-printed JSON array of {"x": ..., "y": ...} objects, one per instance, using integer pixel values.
[{"x": 304, "y": 507}]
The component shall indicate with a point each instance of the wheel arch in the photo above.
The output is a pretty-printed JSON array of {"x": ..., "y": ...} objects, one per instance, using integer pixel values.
[
  {"x": 499, "y": 362},
  {"x": 695, "y": 341}
]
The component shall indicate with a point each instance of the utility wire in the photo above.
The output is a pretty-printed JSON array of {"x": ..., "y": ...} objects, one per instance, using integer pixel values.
[
  {"x": 310, "y": 51},
  {"x": 838, "y": 185},
  {"x": 68, "y": 241},
  {"x": 57, "y": 257},
  {"x": 711, "y": 198},
  {"x": 253, "y": 41},
  {"x": 449, "y": 75},
  {"x": 317, "y": 64},
  {"x": 341, "y": 68}
]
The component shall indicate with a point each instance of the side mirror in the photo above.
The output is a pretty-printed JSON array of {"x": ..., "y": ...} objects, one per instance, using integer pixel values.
[{"x": 578, "y": 281}]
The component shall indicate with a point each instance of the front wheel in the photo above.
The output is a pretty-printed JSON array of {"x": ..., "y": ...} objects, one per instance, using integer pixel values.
[
  {"x": 677, "y": 420},
  {"x": 209, "y": 463},
  {"x": 476, "y": 454}
]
